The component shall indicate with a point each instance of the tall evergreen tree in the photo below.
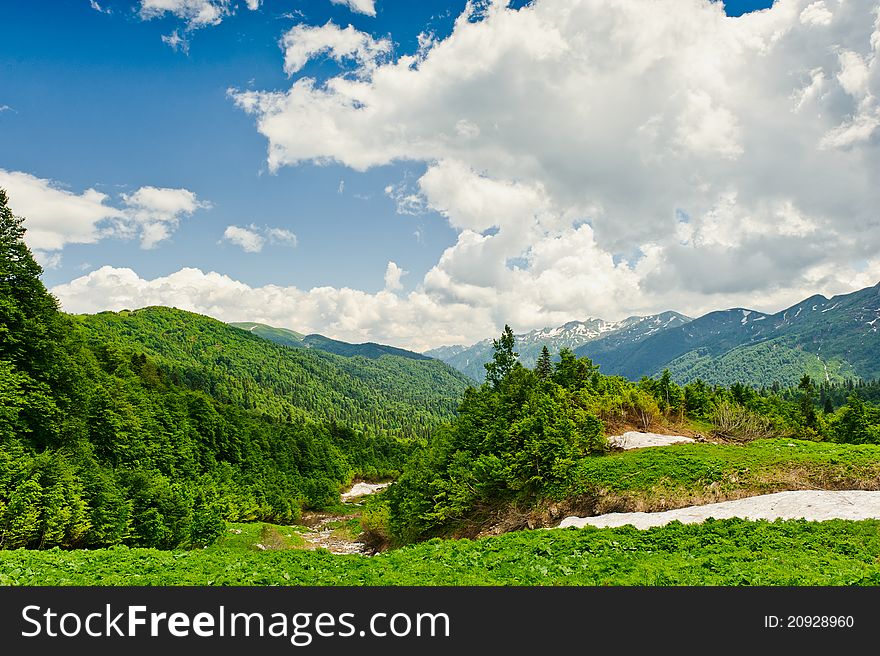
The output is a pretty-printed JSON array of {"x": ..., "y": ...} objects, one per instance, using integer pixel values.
[
  {"x": 503, "y": 359},
  {"x": 31, "y": 331},
  {"x": 543, "y": 368}
]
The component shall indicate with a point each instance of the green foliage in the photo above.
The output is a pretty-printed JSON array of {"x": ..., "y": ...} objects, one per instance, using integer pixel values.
[
  {"x": 856, "y": 423},
  {"x": 728, "y": 552},
  {"x": 761, "y": 466},
  {"x": 518, "y": 436},
  {"x": 528, "y": 434},
  {"x": 503, "y": 359},
  {"x": 389, "y": 394},
  {"x": 154, "y": 428}
]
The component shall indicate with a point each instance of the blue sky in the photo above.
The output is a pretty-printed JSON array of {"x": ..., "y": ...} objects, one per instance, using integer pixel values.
[
  {"x": 100, "y": 101},
  {"x": 94, "y": 98}
]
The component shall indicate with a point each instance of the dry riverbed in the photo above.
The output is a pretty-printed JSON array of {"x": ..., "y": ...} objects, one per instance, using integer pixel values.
[{"x": 338, "y": 533}]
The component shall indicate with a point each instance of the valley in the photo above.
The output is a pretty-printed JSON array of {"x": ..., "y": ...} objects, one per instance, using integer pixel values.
[{"x": 155, "y": 446}]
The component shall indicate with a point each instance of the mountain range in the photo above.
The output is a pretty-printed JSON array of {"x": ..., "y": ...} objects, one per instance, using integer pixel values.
[
  {"x": 831, "y": 339},
  {"x": 470, "y": 359},
  {"x": 294, "y": 339}
]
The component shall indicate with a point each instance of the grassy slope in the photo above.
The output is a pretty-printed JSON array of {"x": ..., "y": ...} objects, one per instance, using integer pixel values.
[
  {"x": 730, "y": 552},
  {"x": 689, "y": 474}
]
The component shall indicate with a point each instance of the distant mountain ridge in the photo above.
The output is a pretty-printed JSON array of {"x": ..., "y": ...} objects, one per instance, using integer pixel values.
[
  {"x": 294, "y": 339},
  {"x": 828, "y": 338},
  {"x": 831, "y": 339},
  {"x": 470, "y": 359}
]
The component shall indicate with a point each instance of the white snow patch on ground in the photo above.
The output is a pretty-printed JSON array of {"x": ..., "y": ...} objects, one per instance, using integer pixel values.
[
  {"x": 362, "y": 490},
  {"x": 812, "y": 505},
  {"x": 633, "y": 440}
]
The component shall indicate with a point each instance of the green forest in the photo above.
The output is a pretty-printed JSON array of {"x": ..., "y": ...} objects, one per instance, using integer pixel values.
[
  {"x": 155, "y": 428},
  {"x": 112, "y": 432},
  {"x": 528, "y": 434}
]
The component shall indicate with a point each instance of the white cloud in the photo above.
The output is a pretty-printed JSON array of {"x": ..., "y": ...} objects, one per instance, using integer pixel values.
[
  {"x": 810, "y": 91},
  {"x": 595, "y": 158},
  {"x": 176, "y": 41},
  {"x": 97, "y": 7},
  {"x": 854, "y": 75},
  {"x": 156, "y": 212},
  {"x": 281, "y": 237},
  {"x": 347, "y": 314},
  {"x": 393, "y": 274},
  {"x": 6, "y": 108},
  {"x": 585, "y": 128},
  {"x": 48, "y": 260},
  {"x": 304, "y": 42},
  {"x": 706, "y": 129},
  {"x": 55, "y": 216},
  {"x": 367, "y": 7},
  {"x": 859, "y": 77},
  {"x": 816, "y": 14},
  {"x": 252, "y": 238},
  {"x": 248, "y": 239},
  {"x": 195, "y": 14},
  {"x": 407, "y": 199}
]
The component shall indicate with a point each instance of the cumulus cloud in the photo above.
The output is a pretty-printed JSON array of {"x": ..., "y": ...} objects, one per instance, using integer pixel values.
[
  {"x": 393, "y": 274},
  {"x": 588, "y": 129},
  {"x": 252, "y": 238},
  {"x": 816, "y": 14},
  {"x": 595, "y": 158},
  {"x": 367, "y": 7},
  {"x": 344, "y": 313},
  {"x": 304, "y": 42},
  {"x": 155, "y": 212},
  {"x": 248, "y": 239},
  {"x": 55, "y": 216}
]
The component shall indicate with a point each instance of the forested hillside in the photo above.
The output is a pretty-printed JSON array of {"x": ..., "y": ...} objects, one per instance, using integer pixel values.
[
  {"x": 153, "y": 428},
  {"x": 389, "y": 394},
  {"x": 296, "y": 340}
]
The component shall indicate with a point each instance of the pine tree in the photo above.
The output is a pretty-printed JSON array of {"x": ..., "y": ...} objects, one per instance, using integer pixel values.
[
  {"x": 543, "y": 368},
  {"x": 808, "y": 408},
  {"x": 31, "y": 330},
  {"x": 503, "y": 358}
]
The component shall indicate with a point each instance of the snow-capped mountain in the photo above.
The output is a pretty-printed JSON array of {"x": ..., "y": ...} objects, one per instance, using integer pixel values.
[{"x": 470, "y": 359}]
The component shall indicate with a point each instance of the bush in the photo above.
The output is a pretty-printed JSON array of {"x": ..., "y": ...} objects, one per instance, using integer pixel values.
[{"x": 734, "y": 422}]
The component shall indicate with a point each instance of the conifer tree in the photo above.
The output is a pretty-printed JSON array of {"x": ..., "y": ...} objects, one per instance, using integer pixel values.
[
  {"x": 503, "y": 358},
  {"x": 543, "y": 368}
]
